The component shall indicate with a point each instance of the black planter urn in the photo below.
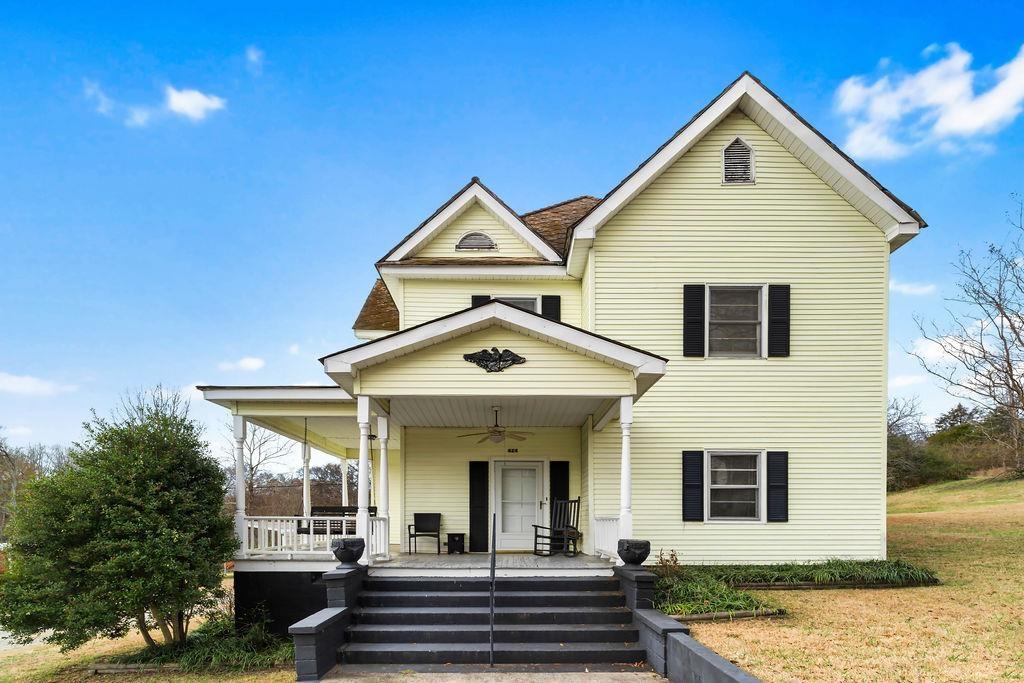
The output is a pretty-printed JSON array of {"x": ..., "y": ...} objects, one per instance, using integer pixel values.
[
  {"x": 633, "y": 551},
  {"x": 348, "y": 550}
]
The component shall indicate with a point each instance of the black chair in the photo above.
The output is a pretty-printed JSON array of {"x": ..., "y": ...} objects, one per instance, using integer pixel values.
[
  {"x": 563, "y": 536},
  {"x": 426, "y": 524},
  {"x": 336, "y": 527}
]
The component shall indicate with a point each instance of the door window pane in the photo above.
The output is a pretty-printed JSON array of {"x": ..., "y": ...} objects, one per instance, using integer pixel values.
[{"x": 518, "y": 499}]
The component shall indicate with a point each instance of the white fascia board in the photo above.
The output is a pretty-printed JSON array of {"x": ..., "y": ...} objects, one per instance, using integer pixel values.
[
  {"x": 639, "y": 362},
  {"x": 901, "y": 233},
  {"x": 711, "y": 117},
  {"x": 297, "y": 393},
  {"x": 473, "y": 193},
  {"x": 533, "y": 272}
]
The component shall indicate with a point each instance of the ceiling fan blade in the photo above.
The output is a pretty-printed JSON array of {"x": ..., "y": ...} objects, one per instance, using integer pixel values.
[
  {"x": 515, "y": 435},
  {"x": 463, "y": 436},
  {"x": 484, "y": 439}
]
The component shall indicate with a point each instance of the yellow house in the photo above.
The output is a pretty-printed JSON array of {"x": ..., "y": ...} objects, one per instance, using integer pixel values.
[{"x": 698, "y": 357}]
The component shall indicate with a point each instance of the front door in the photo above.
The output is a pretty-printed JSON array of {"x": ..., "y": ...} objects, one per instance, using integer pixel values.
[{"x": 519, "y": 503}]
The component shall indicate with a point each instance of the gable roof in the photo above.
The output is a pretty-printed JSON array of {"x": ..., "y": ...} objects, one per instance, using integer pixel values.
[
  {"x": 473, "y": 192},
  {"x": 899, "y": 221},
  {"x": 554, "y": 222},
  {"x": 342, "y": 366},
  {"x": 379, "y": 311}
]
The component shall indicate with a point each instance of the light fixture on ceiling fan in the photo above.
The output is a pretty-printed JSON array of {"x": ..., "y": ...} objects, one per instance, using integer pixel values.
[{"x": 497, "y": 433}]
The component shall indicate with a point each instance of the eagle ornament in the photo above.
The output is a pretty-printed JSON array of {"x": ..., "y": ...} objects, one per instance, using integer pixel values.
[{"x": 494, "y": 360}]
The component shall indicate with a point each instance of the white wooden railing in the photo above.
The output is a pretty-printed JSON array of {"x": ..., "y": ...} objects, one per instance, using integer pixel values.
[
  {"x": 265, "y": 535},
  {"x": 606, "y": 537},
  {"x": 378, "y": 542}
]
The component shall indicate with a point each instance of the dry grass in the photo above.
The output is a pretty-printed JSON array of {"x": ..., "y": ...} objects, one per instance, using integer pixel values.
[{"x": 971, "y": 628}]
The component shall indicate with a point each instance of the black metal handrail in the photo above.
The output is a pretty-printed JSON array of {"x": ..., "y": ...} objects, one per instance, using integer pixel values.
[{"x": 494, "y": 557}]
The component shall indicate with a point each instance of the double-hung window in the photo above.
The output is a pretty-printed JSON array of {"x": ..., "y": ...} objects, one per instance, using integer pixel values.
[
  {"x": 528, "y": 303},
  {"x": 735, "y": 315},
  {"x": 735, "y": 486}
]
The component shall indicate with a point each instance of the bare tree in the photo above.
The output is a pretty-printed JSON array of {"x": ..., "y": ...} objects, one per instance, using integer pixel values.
[
  {"x": 261, "y": 449},
  {"x": 978, "y": 354},
  {"x": 19, "y": 465}
]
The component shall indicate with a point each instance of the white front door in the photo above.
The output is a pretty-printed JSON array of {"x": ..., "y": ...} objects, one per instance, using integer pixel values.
[{"x": 518, "y": 499}]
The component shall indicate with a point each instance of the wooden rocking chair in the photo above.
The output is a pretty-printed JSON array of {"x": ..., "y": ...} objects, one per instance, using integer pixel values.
[{"x": 563, "y": 536}]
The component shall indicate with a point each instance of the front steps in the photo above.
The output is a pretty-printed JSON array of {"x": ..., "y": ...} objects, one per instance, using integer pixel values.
[{"x": 433, "y": 621}]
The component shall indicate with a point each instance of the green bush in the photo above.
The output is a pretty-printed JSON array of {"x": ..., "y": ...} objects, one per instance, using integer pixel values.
[
  {"x": 700, "y": 594},
  {"x": 216, "y": 645}
]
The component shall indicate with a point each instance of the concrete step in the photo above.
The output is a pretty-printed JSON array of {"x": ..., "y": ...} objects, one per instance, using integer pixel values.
[
  {"x": 416, "y": 584},
  {"x": 476, "y": 653},
  {"x": 502, "y": 615},
  {"x": 503, "y": 633},
  {"x": 482, "y": 599}
]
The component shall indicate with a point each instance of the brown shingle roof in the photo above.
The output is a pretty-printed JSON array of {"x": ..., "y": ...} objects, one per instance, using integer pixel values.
[
  {"x": 553, "y": 222},
  {"x": 379, "y": 311}
]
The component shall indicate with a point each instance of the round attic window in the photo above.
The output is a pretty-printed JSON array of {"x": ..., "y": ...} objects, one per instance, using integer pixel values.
[{"x": 476, "y": 240}]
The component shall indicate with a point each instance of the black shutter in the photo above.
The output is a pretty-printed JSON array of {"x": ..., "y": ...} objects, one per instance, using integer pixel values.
[
  {"x": 778, "y": 320},
  {"x": 693, "y": 486},
  {"x": 478, "y": 476},
  {"x": 693, "y": 320},
  {"x": 480, "y": 299},
  {"x": 551, "y": 308},
  {"x": 778, "y": 486},
  {"x": 558, "y": 490}
]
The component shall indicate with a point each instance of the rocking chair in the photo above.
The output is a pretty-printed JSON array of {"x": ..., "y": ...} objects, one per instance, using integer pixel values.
[{"x": 563, "y": 536}]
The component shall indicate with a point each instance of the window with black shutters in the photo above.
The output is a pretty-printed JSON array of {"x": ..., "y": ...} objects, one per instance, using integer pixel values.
[
  {"x": 734, "y": 321},
  {"x": 527, "y": 303},
  {"x": 737, "y": 163},
  {"x": 735, "y": 485}
]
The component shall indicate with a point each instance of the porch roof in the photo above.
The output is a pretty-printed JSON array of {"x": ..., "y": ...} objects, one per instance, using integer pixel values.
[{"x": 645, "y": 368}]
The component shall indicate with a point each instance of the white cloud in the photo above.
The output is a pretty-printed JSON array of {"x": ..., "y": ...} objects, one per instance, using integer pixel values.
[
  {"x": 138, "y": 117},
  {"x": 26, "y": 385},
  {"x": 191, "y": 104},
  {"x": 18, "y": 431},
  {"x": 911, "y": 288},
  {"x": 93, "y": 93},
  {"x": 293, "y": 349},
  {"x": 254, "y": 60},
  {"x": 903, "y": 381},
  {"x": 938, "y": 105},
  {"x": 246, "y": 364}
]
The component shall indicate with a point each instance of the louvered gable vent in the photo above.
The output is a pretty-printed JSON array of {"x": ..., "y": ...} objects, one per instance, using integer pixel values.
[
  {"x": 476, "y": 240},
  {"x": 738, "y": 163}
]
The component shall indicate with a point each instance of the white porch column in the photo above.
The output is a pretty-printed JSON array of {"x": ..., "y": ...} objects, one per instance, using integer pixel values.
[
  {"x": 238, "y": 431},
  {"x": 307, "y": 503},
  {"x": 626, "y": 469},
  {"x": 363, "y": 498},
  {"x": 382, "y": 483},
  {"x": 344, "y": 489}
]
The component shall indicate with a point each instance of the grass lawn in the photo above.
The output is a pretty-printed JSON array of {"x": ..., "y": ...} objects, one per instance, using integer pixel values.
[{"x": 970, "y": 628}]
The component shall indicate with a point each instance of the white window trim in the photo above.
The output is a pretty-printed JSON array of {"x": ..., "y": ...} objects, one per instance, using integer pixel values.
[
  {"x": 536, "y": 299},
  {"x": 763, "y": 313},
  {"x": 753, "y": 162},
  {"x": 762, "y": 488},
  {"x": 476, "y": 232}
]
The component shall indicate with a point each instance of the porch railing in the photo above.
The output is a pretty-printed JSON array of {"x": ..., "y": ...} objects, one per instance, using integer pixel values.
[
  {"x": 606, "y": 537},
  {"x": 378, "y": 542},
  {"x": 266, "y": 535}
]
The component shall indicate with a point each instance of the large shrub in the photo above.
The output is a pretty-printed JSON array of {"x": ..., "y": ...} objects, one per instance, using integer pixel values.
[{"x": 130, "y": 533}]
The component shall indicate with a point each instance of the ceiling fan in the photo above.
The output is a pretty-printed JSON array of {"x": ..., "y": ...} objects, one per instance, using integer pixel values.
[{"x": 497, "y": 433}]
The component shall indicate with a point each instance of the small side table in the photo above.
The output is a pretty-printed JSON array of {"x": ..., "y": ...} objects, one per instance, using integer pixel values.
[{"x": 456, "y": 544}]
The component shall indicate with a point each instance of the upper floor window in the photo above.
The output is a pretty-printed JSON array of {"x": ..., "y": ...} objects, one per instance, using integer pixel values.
[
  {"x": 528, "y": 303},
  {"x": 737, "y": 162},
  {"x": 476, "y": 241},
  {"x": 734, "y": 320}
]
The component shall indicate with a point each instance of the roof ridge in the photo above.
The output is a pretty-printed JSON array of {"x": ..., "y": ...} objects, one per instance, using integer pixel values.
[{"x": 557, "y": 204}]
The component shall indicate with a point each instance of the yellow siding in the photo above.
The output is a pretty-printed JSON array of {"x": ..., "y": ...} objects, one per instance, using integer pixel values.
[
  {"x": 428, "y": 299},
  {"x": 477, "y": 219},
  {"x": 437, "y": 469},
  {"x": 825, "y": 404},
  {"x": 549, "y": 370}
]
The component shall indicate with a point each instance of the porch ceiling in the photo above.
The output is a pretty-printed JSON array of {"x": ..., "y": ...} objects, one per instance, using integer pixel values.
[{"x": 477, "y": 411}]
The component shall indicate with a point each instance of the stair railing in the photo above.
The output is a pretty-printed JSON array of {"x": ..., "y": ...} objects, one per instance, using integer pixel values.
[{"x": 494, "y": 557}]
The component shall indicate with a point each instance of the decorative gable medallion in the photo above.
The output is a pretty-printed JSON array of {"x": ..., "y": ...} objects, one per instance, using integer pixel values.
[{"x": 494, "y": 360}]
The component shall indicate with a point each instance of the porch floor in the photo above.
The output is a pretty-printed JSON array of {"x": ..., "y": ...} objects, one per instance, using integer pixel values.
[{"x": 479, "y": 564}]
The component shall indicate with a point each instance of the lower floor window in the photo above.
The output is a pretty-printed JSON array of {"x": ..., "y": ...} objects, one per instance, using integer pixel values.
[{"x": 734, "y": 485}]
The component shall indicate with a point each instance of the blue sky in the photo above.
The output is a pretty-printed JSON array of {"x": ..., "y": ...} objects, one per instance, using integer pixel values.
[{"x": 186, "y": 186}]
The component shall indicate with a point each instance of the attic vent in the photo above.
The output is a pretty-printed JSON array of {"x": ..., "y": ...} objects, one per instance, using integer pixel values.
[
  {"x": 476, "y": 240},
  {"x": 738, "y": 163}
]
